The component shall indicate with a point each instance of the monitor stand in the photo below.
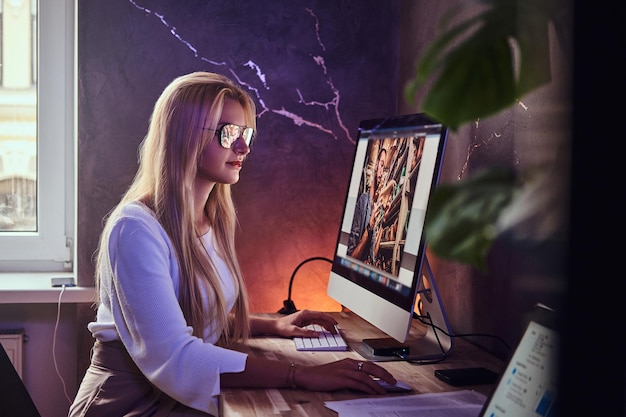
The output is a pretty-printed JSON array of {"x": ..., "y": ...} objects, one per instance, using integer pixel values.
[{"x": 431, "y": 347}]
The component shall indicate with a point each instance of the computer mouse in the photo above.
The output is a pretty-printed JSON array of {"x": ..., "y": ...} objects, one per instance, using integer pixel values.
[{"x": 400, "y": 386}]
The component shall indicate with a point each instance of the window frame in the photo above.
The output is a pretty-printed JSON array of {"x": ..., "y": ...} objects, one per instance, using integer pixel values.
[{"x": 51, "y": 247}]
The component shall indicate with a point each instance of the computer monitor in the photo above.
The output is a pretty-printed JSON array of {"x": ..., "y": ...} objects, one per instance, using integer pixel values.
[{"x": 379, "y": 269}]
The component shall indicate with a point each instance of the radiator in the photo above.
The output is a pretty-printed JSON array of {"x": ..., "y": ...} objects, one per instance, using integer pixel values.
[{"x": 13, "y": 341}]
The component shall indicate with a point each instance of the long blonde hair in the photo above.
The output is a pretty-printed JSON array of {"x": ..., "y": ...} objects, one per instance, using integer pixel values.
[{"x": 168, "y": 162}]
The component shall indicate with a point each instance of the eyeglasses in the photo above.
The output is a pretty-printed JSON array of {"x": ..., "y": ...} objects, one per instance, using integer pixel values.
[{"x": 229, "y": 133}]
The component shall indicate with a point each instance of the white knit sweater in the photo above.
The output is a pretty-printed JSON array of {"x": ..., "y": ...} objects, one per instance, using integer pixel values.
[{"x": 139, "y": 306}]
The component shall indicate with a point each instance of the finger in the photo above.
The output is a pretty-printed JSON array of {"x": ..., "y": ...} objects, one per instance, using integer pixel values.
[
  {"x": 363, "y": 382},
  {"x": 373, "y": 370},
  {"x": 368, "y": 387},
  {"x": 326, "y": 320},
  {"x": 382, "y": 373},
  {"x": 323, "y": 319},
  {"x": 328, "y": 325},
  {"x": 301, "y": 331},
  {"x": 318, "y": 315}
]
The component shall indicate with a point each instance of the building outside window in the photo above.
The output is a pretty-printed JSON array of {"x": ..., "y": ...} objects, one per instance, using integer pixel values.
[
  {"x": 18, "y": 115},
  {"x": 36, "y": 135}
]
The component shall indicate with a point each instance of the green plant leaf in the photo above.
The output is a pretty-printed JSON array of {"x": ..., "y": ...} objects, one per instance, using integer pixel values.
[
  {"x": 532, "y": 40},
  {"x": 487, "y": 62},
  {"x": 460, "y": 93},
  {"x": 461, "y": 217}
]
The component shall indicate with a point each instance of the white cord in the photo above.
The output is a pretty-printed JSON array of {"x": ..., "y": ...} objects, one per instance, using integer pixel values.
[{"x": 54, "y": 341}]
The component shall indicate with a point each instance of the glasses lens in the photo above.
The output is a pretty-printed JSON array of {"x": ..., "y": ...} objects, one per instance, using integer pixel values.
[
  {"x": 230, "y": 133},
  {"x": 248, "y": 135}
]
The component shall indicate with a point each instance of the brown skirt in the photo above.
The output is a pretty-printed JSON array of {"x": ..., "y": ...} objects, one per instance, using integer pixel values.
[{"x": 113, "y": 386}]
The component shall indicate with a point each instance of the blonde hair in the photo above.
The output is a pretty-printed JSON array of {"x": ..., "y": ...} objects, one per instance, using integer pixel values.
[{"x": 168, "y": 163}]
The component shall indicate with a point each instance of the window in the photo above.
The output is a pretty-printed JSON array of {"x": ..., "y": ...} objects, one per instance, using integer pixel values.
[{"x": 36, "y": 135}]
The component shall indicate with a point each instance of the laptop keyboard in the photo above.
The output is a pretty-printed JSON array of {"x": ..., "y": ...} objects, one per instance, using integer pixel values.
[{"x": 325, "y": 342}]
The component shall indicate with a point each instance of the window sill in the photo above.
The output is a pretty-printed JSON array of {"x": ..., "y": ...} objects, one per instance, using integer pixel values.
[{"x": 21, "y": 288}]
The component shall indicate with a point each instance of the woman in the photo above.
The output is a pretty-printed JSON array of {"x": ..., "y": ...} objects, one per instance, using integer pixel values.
[{"x": 172, "y": 297}]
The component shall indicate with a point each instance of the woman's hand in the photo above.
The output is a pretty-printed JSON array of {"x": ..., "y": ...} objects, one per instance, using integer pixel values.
[
  {"x": 293, "y": 324},
  {"x": 343, "y": 374}
]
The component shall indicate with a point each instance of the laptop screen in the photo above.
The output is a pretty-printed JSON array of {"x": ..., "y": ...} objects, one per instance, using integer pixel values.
[{"x": 528, "y": 385}]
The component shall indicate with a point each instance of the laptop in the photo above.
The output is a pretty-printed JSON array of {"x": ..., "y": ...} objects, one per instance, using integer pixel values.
[
  {"x": 15, "y": 401},
  {"x": 528, "y": 386}
]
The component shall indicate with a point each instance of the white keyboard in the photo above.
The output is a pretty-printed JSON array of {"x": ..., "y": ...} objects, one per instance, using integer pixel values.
[{"x": 326, "y": 342}]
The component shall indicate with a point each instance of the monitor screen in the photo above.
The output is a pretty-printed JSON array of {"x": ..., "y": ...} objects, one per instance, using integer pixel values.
[{"x": 376, "y": 271}]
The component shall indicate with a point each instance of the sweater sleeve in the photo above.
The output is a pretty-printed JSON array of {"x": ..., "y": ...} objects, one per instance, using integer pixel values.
[{"x": 144, "y": 307}]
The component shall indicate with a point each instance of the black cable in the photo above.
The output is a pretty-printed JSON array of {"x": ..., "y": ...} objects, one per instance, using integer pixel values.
[
  {"x": 408, "y": 359},
  {"x": 288, "y": 305},
  {"x": 420, "y": 318},
  {"x": 444, "y": 354}
]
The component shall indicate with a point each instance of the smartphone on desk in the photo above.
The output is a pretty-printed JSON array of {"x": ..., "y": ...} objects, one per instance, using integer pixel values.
[{"x": 467, "y": 376}]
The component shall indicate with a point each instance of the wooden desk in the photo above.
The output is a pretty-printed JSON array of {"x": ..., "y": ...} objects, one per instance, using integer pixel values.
[{"x": 298, "y": 402}]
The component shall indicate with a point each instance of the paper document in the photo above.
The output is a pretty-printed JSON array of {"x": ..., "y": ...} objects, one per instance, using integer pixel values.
[{"x": 463, "y": 403}]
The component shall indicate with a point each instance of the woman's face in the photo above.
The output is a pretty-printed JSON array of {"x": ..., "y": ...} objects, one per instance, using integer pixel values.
[{"x": 218, "y": 164}]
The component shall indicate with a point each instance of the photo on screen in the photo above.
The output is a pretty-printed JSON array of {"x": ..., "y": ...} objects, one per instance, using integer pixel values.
[{"x": 383, "y": 207}]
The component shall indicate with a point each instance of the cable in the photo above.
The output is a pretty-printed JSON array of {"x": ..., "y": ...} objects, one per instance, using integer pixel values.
[
  {"x": 288, "y": 305},
  {"x": 420, "y": 318},
  {"x": 444, "y": 354},
  {"x": 54, "y": 341},
  {"x": 408, "y": 359}
]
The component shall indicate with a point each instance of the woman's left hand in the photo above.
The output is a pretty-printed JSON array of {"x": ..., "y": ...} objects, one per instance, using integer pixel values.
[{"x": 293, "y": 324}]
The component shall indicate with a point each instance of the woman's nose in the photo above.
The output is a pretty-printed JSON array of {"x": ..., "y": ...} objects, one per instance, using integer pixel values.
[{"x": 240, "y": 146}]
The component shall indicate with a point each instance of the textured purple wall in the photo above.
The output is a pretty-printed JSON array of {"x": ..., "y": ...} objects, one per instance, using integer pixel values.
[{"x": 316, "y": 68}]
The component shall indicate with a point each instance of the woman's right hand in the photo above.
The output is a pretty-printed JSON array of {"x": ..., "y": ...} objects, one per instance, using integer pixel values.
[{"x": 343, "y": 374}]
